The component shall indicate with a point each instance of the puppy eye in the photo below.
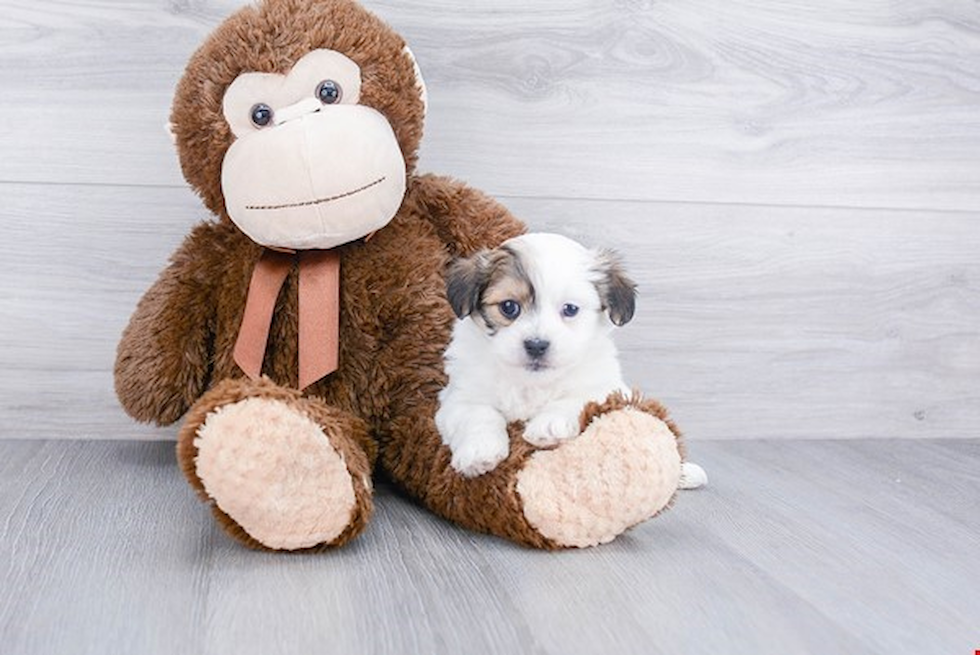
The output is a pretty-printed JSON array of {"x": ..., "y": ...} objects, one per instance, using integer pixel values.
[
  {"x": 568, "y": 310},
  {"x": 511, "y": 309},
  {"x": 328, "y": 92},
  {"x": 261, "y": 114}
]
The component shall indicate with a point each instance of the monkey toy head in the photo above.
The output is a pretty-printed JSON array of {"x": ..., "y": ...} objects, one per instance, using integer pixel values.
[{"x": 302, "y": 138}]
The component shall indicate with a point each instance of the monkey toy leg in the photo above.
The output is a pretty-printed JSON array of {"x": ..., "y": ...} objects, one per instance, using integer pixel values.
[
  {"x": 281, "y": 471},
  {"x": 623, "y": 469}
]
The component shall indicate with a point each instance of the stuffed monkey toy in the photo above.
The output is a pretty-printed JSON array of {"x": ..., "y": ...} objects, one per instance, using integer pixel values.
[{"x": 300, "y": 331}]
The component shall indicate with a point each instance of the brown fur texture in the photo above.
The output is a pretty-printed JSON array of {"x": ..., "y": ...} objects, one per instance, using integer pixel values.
[{"x": 175, "y": 355}]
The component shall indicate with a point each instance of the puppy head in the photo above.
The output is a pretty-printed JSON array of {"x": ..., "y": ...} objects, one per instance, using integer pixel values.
[{"x": 543, "y": 300}]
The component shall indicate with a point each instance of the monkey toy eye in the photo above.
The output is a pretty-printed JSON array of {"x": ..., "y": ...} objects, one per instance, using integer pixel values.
[
  {"x": 261, "y": 114},
  {"x": 511, "y": 309},
  {"x": 568, "y": 310},
  {"x": 328, "y": 92}
]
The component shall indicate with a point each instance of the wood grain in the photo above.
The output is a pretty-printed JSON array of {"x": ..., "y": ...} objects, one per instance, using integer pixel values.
[
  {"x": 796, "y": 547},
  {"x": 869, "y": 105},
  {"x": 73, "y": 279},
  {"x": 760, "y": 316},
  {"x": 759, "y": 321}
]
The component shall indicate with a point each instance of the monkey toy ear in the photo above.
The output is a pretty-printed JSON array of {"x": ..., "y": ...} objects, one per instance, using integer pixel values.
[
  {"x": 423, "y": 93},
  {"x": 616, "y": 290},
  {"x": 466, "y": 280}
]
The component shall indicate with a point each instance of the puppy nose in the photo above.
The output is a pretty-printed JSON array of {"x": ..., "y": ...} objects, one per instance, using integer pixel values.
[{"x": 536, "y": 347}]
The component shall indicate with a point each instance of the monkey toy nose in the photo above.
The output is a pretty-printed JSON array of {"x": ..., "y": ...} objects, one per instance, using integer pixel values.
[
  {"x": 296, "y": 110},
  {"x": 536, "y": 348}
]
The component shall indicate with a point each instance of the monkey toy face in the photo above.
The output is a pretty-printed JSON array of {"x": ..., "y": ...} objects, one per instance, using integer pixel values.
[
  {"x": 310, "y": 167},
  {"x": 305, "y": 142}
]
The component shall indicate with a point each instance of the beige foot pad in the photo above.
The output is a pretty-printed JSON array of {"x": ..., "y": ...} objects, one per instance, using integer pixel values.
[
  {"x": 622, "y": 470},
  {"x": 273, "y": 471}
]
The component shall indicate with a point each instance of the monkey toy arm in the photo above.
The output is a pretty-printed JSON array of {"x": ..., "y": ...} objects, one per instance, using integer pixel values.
[
  {"x": 466, "y": 219},
  {"x": 163, "y": 361}
]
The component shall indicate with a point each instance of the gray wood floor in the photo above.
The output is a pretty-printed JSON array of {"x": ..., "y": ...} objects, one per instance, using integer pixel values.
[{"x": 797, "y": 546}]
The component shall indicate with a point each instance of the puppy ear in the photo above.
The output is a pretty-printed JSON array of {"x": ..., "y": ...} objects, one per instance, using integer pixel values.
[
  {"x": 466, "y": 280},
  {"x": 616, "y": 291}
]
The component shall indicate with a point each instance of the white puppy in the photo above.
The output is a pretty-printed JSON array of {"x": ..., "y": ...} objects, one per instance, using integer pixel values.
[{"x": 533, "y": 344}]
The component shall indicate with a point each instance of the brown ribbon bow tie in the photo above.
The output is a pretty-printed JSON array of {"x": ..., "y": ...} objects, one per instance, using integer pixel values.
[{"x": 319, "y": 312}]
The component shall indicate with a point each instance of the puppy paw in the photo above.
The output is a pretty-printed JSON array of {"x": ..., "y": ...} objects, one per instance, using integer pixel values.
[
  {"x": 692, "y": 476},
  {"x": 479, "y": 454},
  {"x": 551, "y": 426}
]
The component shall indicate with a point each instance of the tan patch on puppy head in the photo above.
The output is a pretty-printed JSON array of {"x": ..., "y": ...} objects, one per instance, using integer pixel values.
[
  {"x": 508, "y": 281},
  {"x": 477, "y": 285}
]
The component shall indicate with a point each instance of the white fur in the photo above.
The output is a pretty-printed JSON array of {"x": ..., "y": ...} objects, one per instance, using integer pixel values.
[
  {"x": 692, "y": 476},
  {"x": 490, "y": 379}
]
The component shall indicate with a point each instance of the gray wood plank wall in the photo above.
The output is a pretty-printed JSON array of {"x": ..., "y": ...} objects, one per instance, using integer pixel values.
[{"x": 796, "y": 186}]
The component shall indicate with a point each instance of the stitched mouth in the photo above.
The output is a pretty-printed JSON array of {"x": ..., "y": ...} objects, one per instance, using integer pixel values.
[{"x": 320, "y": 201}]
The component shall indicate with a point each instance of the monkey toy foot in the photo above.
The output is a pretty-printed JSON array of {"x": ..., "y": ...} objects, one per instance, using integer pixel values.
[
  {"x": 281, "y": 472},
  {"x": 623, "y": 469}
]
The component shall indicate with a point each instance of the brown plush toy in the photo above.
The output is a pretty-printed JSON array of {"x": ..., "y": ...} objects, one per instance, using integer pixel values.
[{"x": 302, "y": 331}]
